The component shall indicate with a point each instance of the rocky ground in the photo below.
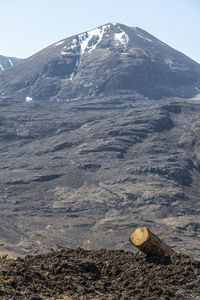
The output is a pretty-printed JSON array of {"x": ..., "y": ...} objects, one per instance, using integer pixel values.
[
  {"x": 102, "y": 274},
  {"x": 87, "y": 172}
]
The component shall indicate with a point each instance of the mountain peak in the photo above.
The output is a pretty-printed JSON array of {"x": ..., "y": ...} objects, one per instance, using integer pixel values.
[
  {"x": 108, "y": 60},
  {"x": 89, "y": 40}
]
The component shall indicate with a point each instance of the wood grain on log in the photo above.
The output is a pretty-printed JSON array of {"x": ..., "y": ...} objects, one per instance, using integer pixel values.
[{"x": 149, "y": 243}]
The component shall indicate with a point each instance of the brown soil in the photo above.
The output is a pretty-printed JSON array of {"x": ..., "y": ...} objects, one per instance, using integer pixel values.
[{"x": 101, "y": 274}]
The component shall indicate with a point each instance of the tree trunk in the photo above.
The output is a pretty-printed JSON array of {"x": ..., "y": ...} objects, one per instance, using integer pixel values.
[{"x": 149, "y": 243}]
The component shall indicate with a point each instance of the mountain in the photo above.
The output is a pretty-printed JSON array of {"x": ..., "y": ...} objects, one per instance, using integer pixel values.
[
  {"x": 108, "y": 60},
  {"x": 87, "y": 172},
  {"x": 7, "y": 62}
]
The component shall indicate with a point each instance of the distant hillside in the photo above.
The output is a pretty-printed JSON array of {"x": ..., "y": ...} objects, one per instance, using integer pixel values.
[
  {"x": 7, "y": 62},
  {"x": 112, "y": 59}
]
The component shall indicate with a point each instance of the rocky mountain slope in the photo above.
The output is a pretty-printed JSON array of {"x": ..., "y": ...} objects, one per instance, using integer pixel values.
[
  {"x": 83, "y": 173},
  {"x": 109, "y": 60},
  {"x": 87, "y": 172},
  {"x": 99, "y": 275},
  {"x": 7, "y": 62}
]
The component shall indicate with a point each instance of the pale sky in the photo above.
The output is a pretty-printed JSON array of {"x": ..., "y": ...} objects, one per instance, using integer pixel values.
[{"x": 27, "y": 26}]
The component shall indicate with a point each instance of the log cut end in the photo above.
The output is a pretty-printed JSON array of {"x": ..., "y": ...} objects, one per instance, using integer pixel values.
[
  {"x": 139, "y": 236},
  {"x": 150, "y": 244}
]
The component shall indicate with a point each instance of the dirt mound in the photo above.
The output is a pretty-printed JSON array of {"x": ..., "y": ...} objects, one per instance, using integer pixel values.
[{"x": 101, "y": 274}]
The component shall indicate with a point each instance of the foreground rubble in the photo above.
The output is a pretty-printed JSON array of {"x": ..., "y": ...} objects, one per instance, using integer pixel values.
[{"x": 102, "y": 274}]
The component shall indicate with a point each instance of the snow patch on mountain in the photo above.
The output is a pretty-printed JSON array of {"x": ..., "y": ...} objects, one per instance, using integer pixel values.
[
  {"x": 73, "y": 73},
  {"x": 74, "y": 45},
  {"x": 7, "y": 62},
  {"x": 121, "y": 37},
  {"x": 58, "y": 44},
  {"x": 144, "y": 38},
  {"x": 29, "y": 99},
  {"x": 85, "y": 42},
  {"x": 197, "y": 89},
  {"x": 89, "y": 40},
  {"x": 10, "y": 61},
  {"x": 169, "y": 62}
]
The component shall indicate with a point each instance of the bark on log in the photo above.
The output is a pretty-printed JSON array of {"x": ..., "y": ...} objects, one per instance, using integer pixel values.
[{"x": 149, "y": 243}]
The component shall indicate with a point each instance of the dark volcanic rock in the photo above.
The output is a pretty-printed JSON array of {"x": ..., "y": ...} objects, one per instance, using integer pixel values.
[{"x": 110, "y": 60}]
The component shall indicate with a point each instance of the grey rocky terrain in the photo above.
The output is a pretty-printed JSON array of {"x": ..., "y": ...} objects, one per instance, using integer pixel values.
[
  {"x": 99, "y": 134},
  {"x": 7, "y": 62},
  {"x": 86, "y": 173}
]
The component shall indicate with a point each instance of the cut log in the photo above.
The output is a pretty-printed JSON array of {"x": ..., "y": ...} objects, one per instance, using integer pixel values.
[{"x": 149, "y": 243}]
